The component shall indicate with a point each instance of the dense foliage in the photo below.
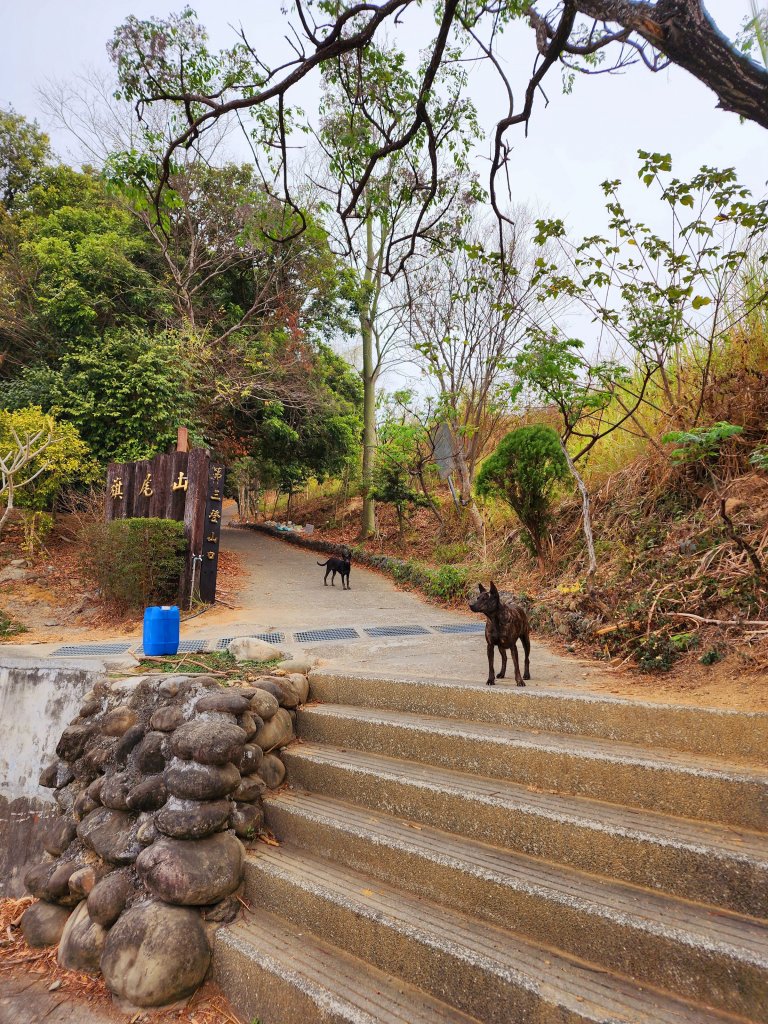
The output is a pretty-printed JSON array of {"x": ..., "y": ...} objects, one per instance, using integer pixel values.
[
  {"x": 135, "y": 562},
  {"x": 523, "y": 471}
]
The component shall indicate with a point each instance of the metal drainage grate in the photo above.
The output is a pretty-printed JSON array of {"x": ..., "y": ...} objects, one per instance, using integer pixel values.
[
  {"x": 341, "y": 633},
  {"x": 271, "y": 638},
  {"x": 185, "y": 647},
  {"x": 464, "y": 627},
  {"x": 90, "y": 650},
  {"x": 396, "y": 631}
]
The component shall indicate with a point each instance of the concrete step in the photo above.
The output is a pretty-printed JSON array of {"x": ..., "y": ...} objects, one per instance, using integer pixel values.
[
  {"x": 708, "y": 731},
  {"x": 693, "y": 951},
  {"x": 709, "y": 863},
  {"x": 687, "y": 785},
  {"x": 480, "y": 969},
  {"x": 278, "y": 973}
]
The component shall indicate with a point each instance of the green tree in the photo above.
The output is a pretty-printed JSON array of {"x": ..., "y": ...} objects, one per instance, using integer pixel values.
[
  {"x": 38, "y": 456},
  {"x": 317, "y": 438},
  {"x": 385, "y": 215},
  {"x": 394, "y": 472},
  {"x": 126, "y": 393},
  {"x": 523, "y": 471},
  {"x": 24, "y": 152},
  {"x": 169, "y": 60},
  {"x": 75, "y": 265}
]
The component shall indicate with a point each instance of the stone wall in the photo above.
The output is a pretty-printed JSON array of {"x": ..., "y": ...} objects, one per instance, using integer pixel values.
[{"x": 159, "y": 781}]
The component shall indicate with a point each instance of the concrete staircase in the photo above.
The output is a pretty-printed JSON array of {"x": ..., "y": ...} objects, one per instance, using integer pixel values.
[{"x": 454, "y": 853}]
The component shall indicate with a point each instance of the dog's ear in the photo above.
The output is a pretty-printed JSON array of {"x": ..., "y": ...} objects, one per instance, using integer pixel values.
[
  {"x": 481, "y": 588},
  {"x": 493, "y": 588}
]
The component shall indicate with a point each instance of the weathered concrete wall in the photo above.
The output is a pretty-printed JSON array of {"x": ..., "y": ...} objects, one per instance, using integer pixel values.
[{"x": 37, "y": 700}]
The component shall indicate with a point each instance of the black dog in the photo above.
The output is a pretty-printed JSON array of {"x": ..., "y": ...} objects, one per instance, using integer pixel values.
[
  {"x": 337, "y": 565},
  {"x": 507, "y": 623}
]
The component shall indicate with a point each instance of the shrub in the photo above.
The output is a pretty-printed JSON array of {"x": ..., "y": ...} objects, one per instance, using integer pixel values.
[
  {"x": 446, "y": 583},
  {"x": 451, "y": 553},
  {"x": 135, "y": 562},
  {"x": 523, "y": 472}
]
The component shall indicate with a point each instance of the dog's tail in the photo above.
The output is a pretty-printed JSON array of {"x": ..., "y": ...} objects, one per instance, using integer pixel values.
[{"x": 324, "y": 563}]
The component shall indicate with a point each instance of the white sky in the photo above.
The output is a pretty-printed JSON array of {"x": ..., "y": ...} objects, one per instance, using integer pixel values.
[{"x": 573, "y": 145}]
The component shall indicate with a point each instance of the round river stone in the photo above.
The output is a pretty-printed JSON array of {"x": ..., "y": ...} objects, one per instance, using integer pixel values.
[
  {"x": 151, "y": 756},
  {"x": 221, "y": 700},
  {"x": 275, "y": 733},
  {"x": 167, "y": 718},
  {"x": 208, "y": 742},
  {"x": 107, "y": 899},
  {"x": 147, "y": 795},
  {"x": 272, "y": 770},
  {"x": 192, "y": 874},
  {"x": 264, "y": 704},
  {"x": 114, "y": 791},
  {"x": 251, "y": 759},
  {"x": 156, "y": 954},
  {"x": 192, "y": 781},
  {"x": 43, "y": 923},
  {"x": 59, "y": 834},
  {"x": 81, "y": 942},
  {"x": 111, "y": 834},
  {"x": 192, "y": 819},
  {"x": 118, "y": 721},
  {"x": 247, "y": 820}
]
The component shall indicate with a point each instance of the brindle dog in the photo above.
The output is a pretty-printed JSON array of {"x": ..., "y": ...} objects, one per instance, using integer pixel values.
[{"x": 507, "y": 623}]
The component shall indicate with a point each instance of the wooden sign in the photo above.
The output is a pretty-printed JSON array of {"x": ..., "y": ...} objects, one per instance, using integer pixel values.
[
  {"x": 211, "y": 533},
  {"x": 169, "y": 486}
]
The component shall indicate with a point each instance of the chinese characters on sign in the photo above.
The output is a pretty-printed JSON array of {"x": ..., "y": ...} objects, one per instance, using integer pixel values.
[
  {"x": 210, "y": 551},
  {"x": 171, "y": 485}
]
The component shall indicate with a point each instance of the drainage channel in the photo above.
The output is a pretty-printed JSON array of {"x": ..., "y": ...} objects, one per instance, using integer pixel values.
[{"x": 300, "y": 636}]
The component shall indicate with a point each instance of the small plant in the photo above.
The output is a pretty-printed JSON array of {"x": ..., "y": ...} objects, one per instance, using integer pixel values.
[
  {"x": 759, "y": 457},
  {"x": 656, "y": 654},
  {"x": 8, "y": 627},
  {"x": 659, "y": 653},
  {"x": 36, "y": 526},
  {"x": 711, "y": 657},
  {"x": 135, "y": 562},
  {"x": 449, "y": 554},
  {"x": 700, "y": 444}
]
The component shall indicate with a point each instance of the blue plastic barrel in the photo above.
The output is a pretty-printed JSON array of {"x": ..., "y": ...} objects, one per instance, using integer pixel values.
[{"x": 161, "y": 630}]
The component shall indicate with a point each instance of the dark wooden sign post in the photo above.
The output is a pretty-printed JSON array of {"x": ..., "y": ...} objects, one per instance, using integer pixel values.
[
  {"x": 211, "y": 532},
  {"x": 182, "y": 485}
]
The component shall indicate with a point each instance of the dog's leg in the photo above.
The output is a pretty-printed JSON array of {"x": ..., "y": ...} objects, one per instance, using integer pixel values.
[
  {"x": 527, "y": 648},
  {"x": 325, "y": 578},
  {"x": 333, "y": 579},
  {"x": 491, "y": 678},
  {"x": 503, "y": 653},
  {"x": 513, "y": 652}
]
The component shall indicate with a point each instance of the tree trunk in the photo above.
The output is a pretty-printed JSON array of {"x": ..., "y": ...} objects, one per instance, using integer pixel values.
[
  {"x": 465, "y": 492},
  {"x": 585, "y": 508},
  {"x": 8, "y": 509},
  {"x": 368, "y": 519}
]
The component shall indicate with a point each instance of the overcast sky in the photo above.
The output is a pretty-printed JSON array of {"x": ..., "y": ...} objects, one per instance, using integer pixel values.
[{"x": 573, "y": 144}]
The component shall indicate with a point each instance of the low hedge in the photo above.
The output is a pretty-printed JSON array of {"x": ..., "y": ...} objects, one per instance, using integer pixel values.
[{"x": 135, "y": 562}]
